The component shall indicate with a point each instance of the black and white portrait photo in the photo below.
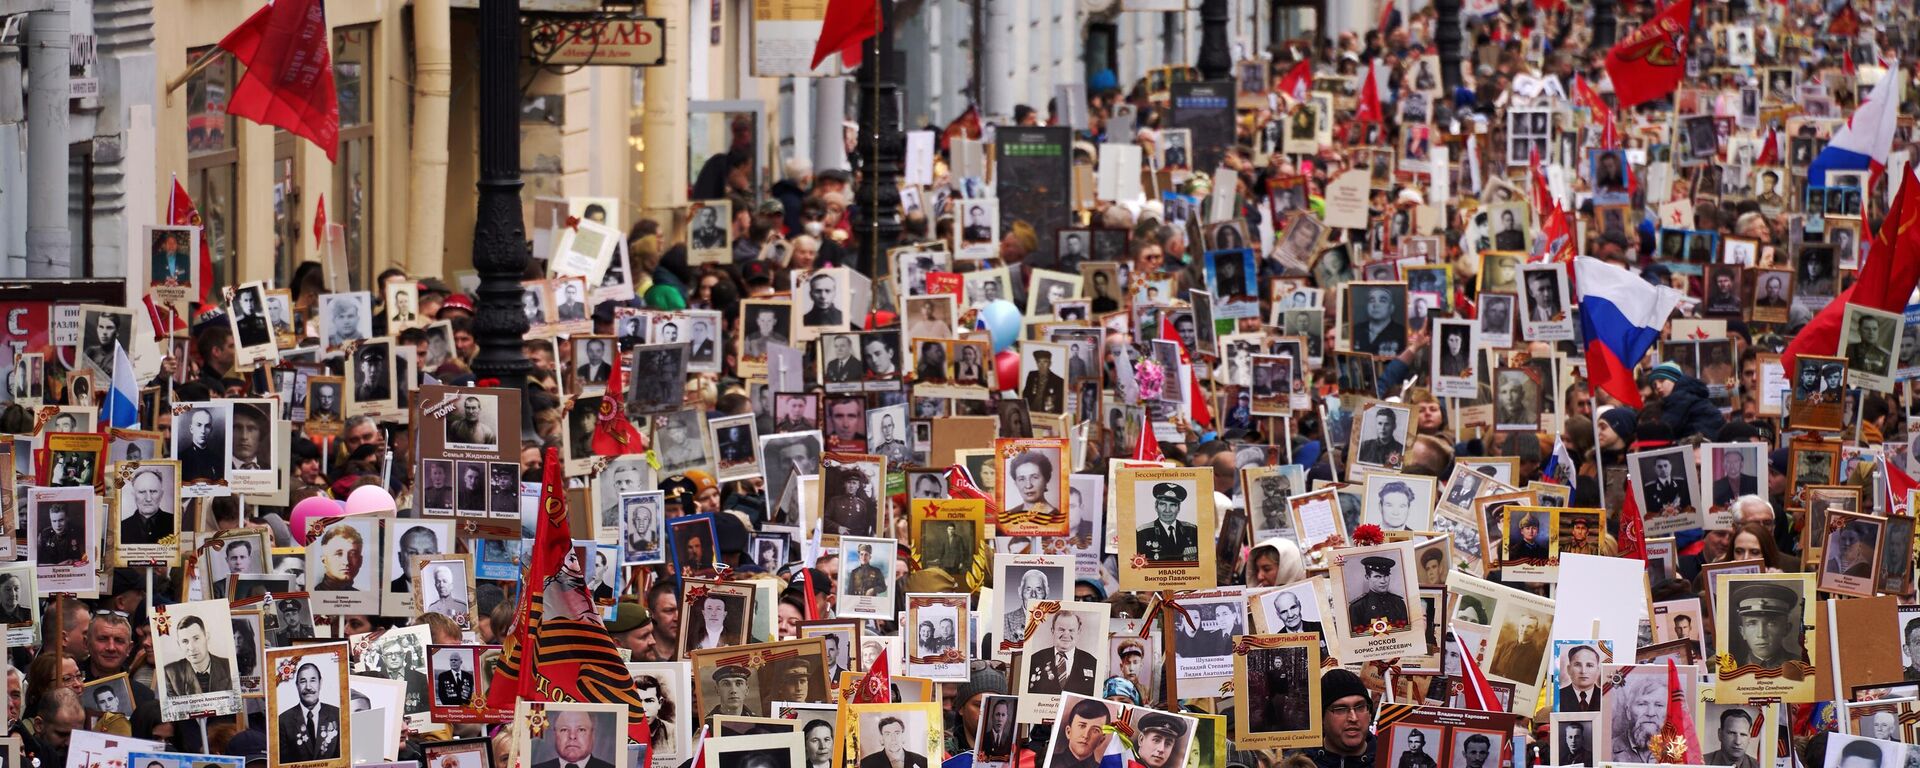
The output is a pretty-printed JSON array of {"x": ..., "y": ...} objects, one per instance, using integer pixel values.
[
  {"x": 1382, "y": 433},
  {"x": 452, "y": 669},
  {"x": 200, "y": 442},
  {"x": 149, "y": 503},
  {"x": 1667, "y": 489},
  {"x": 194, "y": 651},
  {"x": 101, "y": 330},
  {"x": 1869, "y": 340},
  {"x": 1379, "y": 324},
  {"x": 474, "y": 425},
  {"x": 709, "y": 230},
  {"x": 249, "y": 313},
  {"x": 823, "y": 302},
  {"x": 307, "y": 727},
  {"x": 1517, "y": 401},
  {"x": 345, "y": 317}
]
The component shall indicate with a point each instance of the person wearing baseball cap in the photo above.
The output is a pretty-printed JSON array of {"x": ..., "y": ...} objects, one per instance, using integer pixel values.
[
  {"x": 1346, "y": 714},
  {"x": 632, "y": 628},
  {"x": 1764, "y": 618}
]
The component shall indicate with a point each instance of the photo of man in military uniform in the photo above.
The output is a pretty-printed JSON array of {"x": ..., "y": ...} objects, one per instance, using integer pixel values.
[
  {"x": 1168, "y": 539},
  {"x": 1379, "y": 601}
]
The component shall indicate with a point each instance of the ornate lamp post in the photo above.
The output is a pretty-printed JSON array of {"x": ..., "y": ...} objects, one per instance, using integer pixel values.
[
  {"x": 880, "y": 149},
  {"x": 499, "y": 232}
]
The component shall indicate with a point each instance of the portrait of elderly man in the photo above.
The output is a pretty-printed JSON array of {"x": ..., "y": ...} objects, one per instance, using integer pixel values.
[
  {"x": 1635, "y": 710},
  {"x": 572, "y": 736}
]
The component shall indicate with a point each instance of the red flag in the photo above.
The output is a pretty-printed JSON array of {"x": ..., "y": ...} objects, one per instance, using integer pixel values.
[
  {"x": 559, "y": 650},
  {"x": 1476, "y": 692},
  {"x": 1649, "y": 63},
  {"x": 848, "y": 24},
  {"x": 320, "y": 224},
  {"x": 164, "y": 319},
  {"x": 1769, "y": 149},
  {"x": 1146, "y": 447},
  {"x": 1845, "y": 23},
  {"x": 181, "y": 213},
  {"x": 1632, "y": 541},
  {"x": 875, "y": 686},
  {"x": 966, "y": 126},
  {"x": 1677, "y": 743},
  {"x": 1386, "y": 20},
  {"x": 1602, "y": 114},
  {"x": 1369, "y": 109},
  {"x": 1846, "y": 61},
  {"x": 1298, "y": 80},
  {"x": 960, "y": 486},
  {"x": 1899, "y": 483},
  {"x": 1885, "y": 281},
  {"x": 1197, "y": 407},
  {"x": 613, "y": 434},
  {"x": 288, "y": 80}
]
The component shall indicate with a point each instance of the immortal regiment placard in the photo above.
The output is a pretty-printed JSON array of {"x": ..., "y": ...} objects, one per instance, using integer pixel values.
[{"x": 1542, "y": 402}]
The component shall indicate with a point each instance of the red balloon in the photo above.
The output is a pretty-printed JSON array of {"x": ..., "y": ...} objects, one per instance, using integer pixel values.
[{"x": 1007, "y": 366}]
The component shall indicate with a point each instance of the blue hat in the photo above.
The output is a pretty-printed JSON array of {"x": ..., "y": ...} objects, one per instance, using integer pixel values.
[{"x": 1670, "y": 371}]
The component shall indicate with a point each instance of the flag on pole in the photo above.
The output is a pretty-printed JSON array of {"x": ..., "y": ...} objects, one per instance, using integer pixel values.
[
  {"x": 559, "y": 650},
  {"x": 163, "y": 318},
  {"x": 181, "y": 213},
  {"x": 1476, "y": 692},
  {"x": 613, "y": 434},
  {"x": 1369, "y": 110},
  {"x": 1621, "y": 316},
  {"x": 1602, "y": 114},
  {"x": 1298, "y": 80},
  {"x": 847, "y": 25},
  {"x": 1632, "y": 541},
  {"x": 1677, "y": 742},
  {"x": 1864, "y": 142},
  {"x": 287, "y": 81},
  {"x": 1560, "y": 466},
  {"x": 1899, "y": 485},
  {"x": 320, "y": 223},
  {"x": 122, "y": 410},
  {"x": 1649, "y": 63},
  {"x": 876, "y": 686},
  {"x": 1885, "y": 281},
  {"x": 1197, "y": 408}
]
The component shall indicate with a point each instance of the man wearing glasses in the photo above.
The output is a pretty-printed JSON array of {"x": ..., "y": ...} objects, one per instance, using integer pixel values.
[{"x": 1345, "y": 736}]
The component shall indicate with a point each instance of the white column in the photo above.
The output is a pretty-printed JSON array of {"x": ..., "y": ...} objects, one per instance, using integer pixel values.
[
  {"x": 829, "y": 113},
  {"x": 49, "y": 242}
]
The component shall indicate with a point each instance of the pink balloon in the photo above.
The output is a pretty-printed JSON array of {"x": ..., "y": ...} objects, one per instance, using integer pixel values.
[
  {"x": 310, "y": 508},
  {"x": 369, "y": 499}
]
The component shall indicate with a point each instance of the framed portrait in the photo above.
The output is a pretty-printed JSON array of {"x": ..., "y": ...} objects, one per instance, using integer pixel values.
[
  {"x": 745, "y": 680},
  {"x": 1398, "y": 502},
  {"x": 1380, "y": 437},
  {"x": 693, "y": 540},
  {"x": 866, "y": 590},
  {"x": 63, "y": 535},
  {"x": 553, "y": 734},
  {"x": 1031, "y": 500},
  {"x": 1378, "y": 588},
  {"x": 1171, "y": 516},
  {"x": 1850, "y": 552},
  {"x": 666, "y": 694},
  {"x": 1870, "y": 343},
  {"x": 194, "y": 652},
  {"x": 1667, "y": 490},
  {"x": 938, "y": 634},
  {"x": 1157, "y": 732},
  {"x": 1065, "y": 653}
]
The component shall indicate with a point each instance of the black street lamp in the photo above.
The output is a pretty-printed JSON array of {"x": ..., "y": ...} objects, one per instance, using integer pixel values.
[
  {"x": 1604, "y": 24},
  {"x": 880, "y": 149},
  {"x": 499, "y": 232},
  {"x": 1216, "y": 54},
  {"x": 1447, "y": 34}
]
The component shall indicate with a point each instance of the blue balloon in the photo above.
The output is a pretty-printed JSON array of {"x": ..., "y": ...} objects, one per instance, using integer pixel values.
[{"x": 1002, "y": 319}]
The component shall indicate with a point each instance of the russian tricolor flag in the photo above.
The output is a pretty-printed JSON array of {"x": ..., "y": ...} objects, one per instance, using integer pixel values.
[
  {"x": 1621, "y": 315},
  {"x": 1863, "y": 143}
]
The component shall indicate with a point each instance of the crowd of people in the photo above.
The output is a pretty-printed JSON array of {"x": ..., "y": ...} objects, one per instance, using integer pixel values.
[{"x": 1325, "y": 357}]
